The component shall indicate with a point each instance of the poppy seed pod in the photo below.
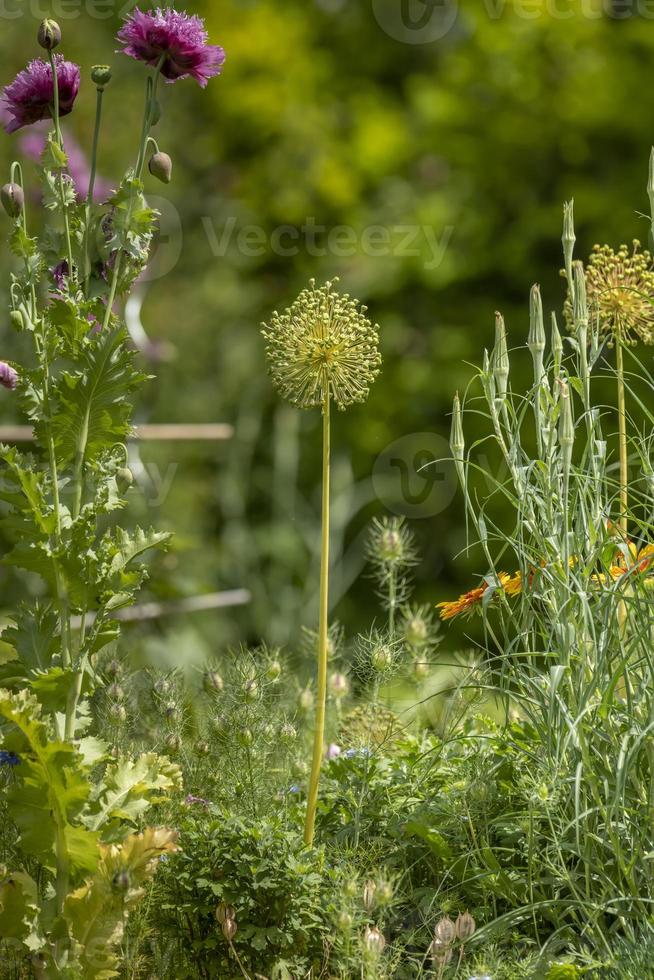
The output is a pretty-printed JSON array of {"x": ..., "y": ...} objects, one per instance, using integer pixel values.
[
  {"x": 161, "y": 166},
  {"x": 13, "y": 199},
  {"x": 49, "y": 34},
  {"x": 273, "y": 673},
  {"x": 100, "y": 75}
]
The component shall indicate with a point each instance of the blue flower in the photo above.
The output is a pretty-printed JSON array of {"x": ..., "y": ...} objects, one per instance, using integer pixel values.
[
  {"x": 294, "y": 788},
  {"x": 9, "y": 758},
  {"x": 352, "y": 753}
]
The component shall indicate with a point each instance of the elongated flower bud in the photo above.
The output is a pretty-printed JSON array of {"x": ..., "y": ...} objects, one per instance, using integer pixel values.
[
  {"x": 49, "y": 34},
  {"x": 566, "y": 428},
  {"x": 580, "y": 302},
  {"x": 536, "y": 338},
  {"x": 160, "y": 166},
  {"x": 13, "y": 199},
  {"x": 557, "y": 345},
  {"x": 457, "y": 439},
  {"x": 500, "y": 357},
  {"x": 568, "y": 241}
]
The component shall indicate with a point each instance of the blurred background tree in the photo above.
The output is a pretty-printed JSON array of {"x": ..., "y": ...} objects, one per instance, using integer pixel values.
[{"x": 419, "y": 150}]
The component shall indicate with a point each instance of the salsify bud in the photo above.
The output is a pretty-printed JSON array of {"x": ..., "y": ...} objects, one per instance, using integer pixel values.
[
  {"x": 13, "y": 199},
  {"x": 557, "y": 344},
  {"x": 161, "y": 166},
  {"x": 536, "y": 338},
  {"x": 457, "y": 439},
  {"x": 464, "y": 926},
  {"x": 445, "y": 930},
  {"x": 49, "y": 34},
  {"x": 568, "y": 241},
  {"x": 212, "y": 681},
  {"x": 100, "y": 75},
  {"x": 500, "y": 357},
  {"x": 374, "y": 940}
]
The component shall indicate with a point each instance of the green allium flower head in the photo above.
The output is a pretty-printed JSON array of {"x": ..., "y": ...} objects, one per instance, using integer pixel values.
[
  {"x": 620, "y": 293},
  {"x": 322, "y": 345}
]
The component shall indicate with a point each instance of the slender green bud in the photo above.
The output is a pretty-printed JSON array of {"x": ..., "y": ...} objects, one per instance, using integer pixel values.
[
  {"x": 557, "y": 345},
  {"x": 580, "y": 302},
  {"x": 13, "y": 199},
  {"x": 500, "y": 357},
  {"x": 568, "y": 241},
  {"x": 49, "y": 34},
  {"x": 566, "y": 425},
  {"x": 101, "y": 76},
  {"x": 536, "y": 338},
  {"x": 457, "y": 439},
  {"x": 650, "y": 192}
]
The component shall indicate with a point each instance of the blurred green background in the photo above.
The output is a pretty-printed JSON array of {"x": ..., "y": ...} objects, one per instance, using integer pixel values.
[{"x": 419, "y": 151}]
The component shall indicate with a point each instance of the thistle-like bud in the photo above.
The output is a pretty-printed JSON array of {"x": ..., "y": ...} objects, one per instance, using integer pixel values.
[
  {"x": 160, "y": 166},
  {"x": 568, "y": 240},
  {"x": 101, "y": 76},
  {"x": 323, "y": 347},
  {"x": 49, "y": 34},
  {"x": 374, "y": 940},
  {"x": 381, "y": 657},
  {"x": 464, "y": 926},
  {"x": 212, "y": 682},
  {"x": 13, "y": 199},
  {"x": 115, "y": 691},
  {"x": 115, "y": 668},
  {"x": 202, "y": 747},
  {"x": 117, "y": 712},
  {"x": 500, "y": 358}
]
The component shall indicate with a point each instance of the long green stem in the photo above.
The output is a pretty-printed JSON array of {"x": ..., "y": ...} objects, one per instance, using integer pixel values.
[
  {"x": 622, "y": 435},
  {"x": 89, "y": 196},
  {"x": 60, "y": 142},
  {"x": 319, "y": 732}
]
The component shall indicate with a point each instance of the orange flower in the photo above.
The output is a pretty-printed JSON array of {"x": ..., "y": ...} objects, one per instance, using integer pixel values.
[{"x": 466, "y": 603}]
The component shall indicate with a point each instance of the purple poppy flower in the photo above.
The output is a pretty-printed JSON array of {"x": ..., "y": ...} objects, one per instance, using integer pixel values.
[
  {"x": 177, "y": 37},
  {"x": 60, "y": 275},
  {"x": 30, "y": 96},
  {"x": 8, "y": 377}
]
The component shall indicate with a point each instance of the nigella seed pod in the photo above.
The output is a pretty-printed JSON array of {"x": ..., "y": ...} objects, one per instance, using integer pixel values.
[
  {"x": 225, "y": 912},
  {"x": 445, "y": 930},
  {"x": 251, "y": 690},
  {"x": 13, "y": 199},
  {"x": 274, "y": 671},
  {"x": 420, "y": 669},
  {"x": 161, "y": 686},
  {"x": 49, "y": 34},
  {"x": 212, "y": 682},
  {"x": 171, "y": 712},
  {"x": 161, "y": 166},
  {"x": 115, "y": 691},
  {"x": 382, "y": 658},
  {"x": 385, "y": 892},
  {"x": 306, "y": 699},
  {"x": 202, "y": 747},
  {"x": 344, "y": 921},
  {"x": 440, "y": 952},
  {"x": 287, "y": 734},
  {"x": 173, "y": 743},
  {"x": 374, "y": 940},
  {"x": 100, "y": 75},
  {"x": 229, "y": 929},
  {"x": 338, "y": 685},
  {"x": 114, "y": 669},
  {"x": 117, "y": 712},
  {"x": 245, "y": 737},
  {"x": 464, "y": 926},
  {"x": 369, "y": 890}
]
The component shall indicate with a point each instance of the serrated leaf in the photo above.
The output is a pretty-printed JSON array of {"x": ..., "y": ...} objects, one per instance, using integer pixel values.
[
  {"x": 128, "y": 546},
  {"x": 19, "y": 908},
  {"x": 130, "y": 787}
]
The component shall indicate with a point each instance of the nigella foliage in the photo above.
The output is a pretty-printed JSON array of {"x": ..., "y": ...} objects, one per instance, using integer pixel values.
[{"x": 75, "y": 805}]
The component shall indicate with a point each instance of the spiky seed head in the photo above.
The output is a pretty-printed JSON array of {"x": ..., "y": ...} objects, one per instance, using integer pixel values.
[
  {"x": 390, "y": 543},
  {"x": 225, "y": 912},
  {"x": 620, "y": 293},
  {"x": 322, "y": 346}
]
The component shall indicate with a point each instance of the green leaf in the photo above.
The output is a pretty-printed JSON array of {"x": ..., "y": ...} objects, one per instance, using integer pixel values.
[
  {"x": 128, "y": 546},
  {"x": 130, "y": 787},
  {"x": 19, "y": 909}
]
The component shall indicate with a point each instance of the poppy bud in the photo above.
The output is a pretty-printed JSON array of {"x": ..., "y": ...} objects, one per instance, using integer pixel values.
[
  {"x": 13, "y": 199},
  {"x": 100, "y": 75},
  {"x": 49, "y": 34},
  {"x": 124, "y": 479},
  {"x": 16, "y": 320},
  {"x": 161, "y": 166}
]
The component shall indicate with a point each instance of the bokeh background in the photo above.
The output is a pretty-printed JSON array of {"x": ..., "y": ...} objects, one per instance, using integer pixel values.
[{"x": 420, "y": 151}]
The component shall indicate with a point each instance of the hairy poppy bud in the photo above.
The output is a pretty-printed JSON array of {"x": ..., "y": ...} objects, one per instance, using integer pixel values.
[
  {"x": 100, "y": 75},
  {"x": 13, "y": 199},
  {"x": 16, "y": 320},
  {"x": 161, "y": 166},
  {"x": 49, "y": 34},
  {"x": 124, "y": 479}
]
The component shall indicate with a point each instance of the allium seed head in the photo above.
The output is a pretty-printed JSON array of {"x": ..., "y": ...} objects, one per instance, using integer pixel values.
[
  {"x": 322, "y": 346},
  {"x": 620, "y": 293}
]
